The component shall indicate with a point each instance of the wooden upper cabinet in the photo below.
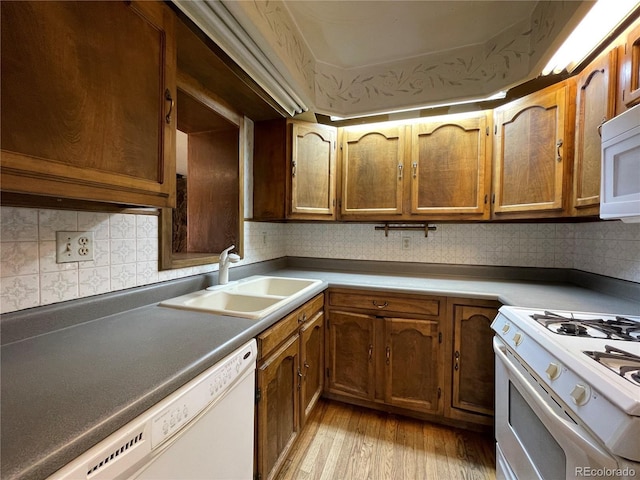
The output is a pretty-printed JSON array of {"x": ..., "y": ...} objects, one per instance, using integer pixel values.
[
  {"x": 294, "y": 167},
  {"x": 595, "y": 104},
  {"x": 629, "y": 69},
  {"x": 450, "y": 167},
  {"x": 532, "y": 154},
  {"x": 372, "y": 171},
  {"x": 87, "y": 96},
  {"x": 312, "y": 176}
]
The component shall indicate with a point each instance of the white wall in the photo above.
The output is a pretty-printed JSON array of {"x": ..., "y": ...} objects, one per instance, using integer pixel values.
[{"x": 127, "y": 250}]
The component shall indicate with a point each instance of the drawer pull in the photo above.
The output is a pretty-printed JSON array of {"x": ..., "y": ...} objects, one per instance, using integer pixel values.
[
  {"x": 380, "y": 305},
  {"x": 370, "y": 352},
  {"x": 388, "y": 355},
  {"x": 457, "y": 363}
]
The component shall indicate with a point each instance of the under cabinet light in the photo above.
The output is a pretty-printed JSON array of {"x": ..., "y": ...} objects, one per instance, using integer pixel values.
[{"x": 601, "y": 20}]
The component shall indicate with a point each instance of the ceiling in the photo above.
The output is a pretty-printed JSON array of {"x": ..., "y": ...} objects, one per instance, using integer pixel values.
[
  {"x": 352, "y": 58},
  {"x": 350, "y": 34}
]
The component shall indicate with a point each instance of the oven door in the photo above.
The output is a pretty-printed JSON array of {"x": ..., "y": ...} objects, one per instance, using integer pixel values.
[{"x": 536, "y": 437}]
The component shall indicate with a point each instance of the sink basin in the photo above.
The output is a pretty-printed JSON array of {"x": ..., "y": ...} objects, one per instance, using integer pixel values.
[
  {"x": 278, "y": 286},
  {"x": 253, "y": 297}
]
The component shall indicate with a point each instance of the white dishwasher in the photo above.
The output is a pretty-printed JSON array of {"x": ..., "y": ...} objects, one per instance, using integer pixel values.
[{"x": 204, "y": 430}]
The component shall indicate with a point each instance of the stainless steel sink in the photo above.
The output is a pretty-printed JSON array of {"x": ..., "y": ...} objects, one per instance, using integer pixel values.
[{"x": 253, "y": 297}]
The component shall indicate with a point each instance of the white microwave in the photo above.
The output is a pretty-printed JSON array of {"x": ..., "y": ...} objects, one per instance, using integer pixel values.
[{"x": 620, "y": 181}]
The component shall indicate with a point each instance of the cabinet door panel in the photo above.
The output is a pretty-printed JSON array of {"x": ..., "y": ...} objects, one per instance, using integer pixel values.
[
  {"x": 473, "y": 362},
  {"x": 448, "y": 166},
  {"x": 311, "y": 364},
  {"x": 595, "y": 104},
  {"x": 93, "y": 114},
  {"x": 413, "y": 364},
  {"x": 630, "y": 69},
  {"x": 313, "y": 170},
  {"x": 372, "y": 172},
  {"x": 351, "y": 343},
  {"x": 530, "y": 153},
  {"x": 278, "y": 408}
]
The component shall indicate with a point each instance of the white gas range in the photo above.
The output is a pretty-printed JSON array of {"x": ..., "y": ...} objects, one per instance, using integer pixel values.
[{"x": 567, "y": 394}]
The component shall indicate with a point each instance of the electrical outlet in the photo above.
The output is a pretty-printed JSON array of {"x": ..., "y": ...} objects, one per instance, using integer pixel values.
[
  {"x": 74, "y": 247},
  {"x": 264, "y": 239},
  {"x": 406, "y": 243}
]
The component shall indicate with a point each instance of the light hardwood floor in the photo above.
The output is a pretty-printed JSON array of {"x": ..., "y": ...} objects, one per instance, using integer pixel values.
[{"x": 344, "y": 442}]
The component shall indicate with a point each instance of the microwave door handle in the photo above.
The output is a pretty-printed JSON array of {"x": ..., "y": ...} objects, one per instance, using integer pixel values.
[{"x": 554, "y": 422}]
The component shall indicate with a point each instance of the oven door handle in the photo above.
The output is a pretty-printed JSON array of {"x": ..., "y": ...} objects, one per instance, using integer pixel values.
[{"x": 554, "y": 421}]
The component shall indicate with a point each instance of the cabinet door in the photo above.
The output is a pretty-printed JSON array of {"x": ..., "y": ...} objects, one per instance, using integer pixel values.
[
  {"x": 372, "y": 171},
  {"x": 278, "y": 408},
  {"x": 473, "y": 358},
  {"x": 87, "y": 98},
  {"x": 312, "y": 364},
  {"x": 350, "y": 345},
  {"x": 449, "y": 167},
  {"x": 630, "y": 69},
  {"x": 530, "y": 159},
  {"x": 413, "y": 364},
  {"x": 595, "y": 92},
  {"x": 313, "y": 163}
]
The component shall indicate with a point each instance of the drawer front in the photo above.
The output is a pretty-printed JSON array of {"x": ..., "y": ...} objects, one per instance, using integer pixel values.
[
  {"x": 384, "y": 302},
  {"x": 283, "y": 329}
]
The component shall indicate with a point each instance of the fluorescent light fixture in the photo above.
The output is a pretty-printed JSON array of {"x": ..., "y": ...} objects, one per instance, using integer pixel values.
[
  {"x": 496, "y": 96},
  {"x": 601, "y": 20}
]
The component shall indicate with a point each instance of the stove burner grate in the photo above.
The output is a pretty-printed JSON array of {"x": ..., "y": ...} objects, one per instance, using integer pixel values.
[
  {"x": 620, "y": 361},
  {"x": 618, "y": 328}
]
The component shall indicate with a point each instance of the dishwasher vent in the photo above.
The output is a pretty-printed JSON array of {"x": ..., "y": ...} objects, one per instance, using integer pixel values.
[{"x": 106, "y": 459}]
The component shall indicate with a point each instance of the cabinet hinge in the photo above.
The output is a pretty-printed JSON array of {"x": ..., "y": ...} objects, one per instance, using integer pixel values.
[
  {"x": 340, "y": 147},
  {"x": 258, "y": 395},
  {"x": 257, "y": 476},
  {"x": 495, "y": 129},
  {"x": 486, "y": 198},
  {"x": 334, "y": 144},
  {"x": 328, "y": 373},
  {"x": 488, "y": 131},
  {"x": 493, "y": 198},
  {"x": 334, "y": 202},
  {"x": 439, "y": 337},
  {"x": 439, "y": 392}
]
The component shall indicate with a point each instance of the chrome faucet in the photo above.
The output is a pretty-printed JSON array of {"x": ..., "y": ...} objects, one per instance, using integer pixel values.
[{"x": 224, "y": 262}]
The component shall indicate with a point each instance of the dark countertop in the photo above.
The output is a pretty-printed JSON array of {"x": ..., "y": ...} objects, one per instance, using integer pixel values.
[{"x": 67, "y": 388}]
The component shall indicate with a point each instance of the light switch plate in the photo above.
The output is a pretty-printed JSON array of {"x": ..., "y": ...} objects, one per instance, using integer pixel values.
[{"x": 74, "y": 247}]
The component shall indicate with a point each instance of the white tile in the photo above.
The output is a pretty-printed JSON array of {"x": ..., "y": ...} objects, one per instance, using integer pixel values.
[
  {"x": 146, "y": 249},
  {"x": 97, "y": 222},
  {"x": 48, "y": 259},
  {"x": 18, "y": 224},
  {"x": 146, "y": 226},
  {"x": 52, "y": 221},
  {"x": 18, "y": 258},
  {"x": 17, "y": 293},
  {"x": 146, "y": 272},
  {"x": 58, "y": 286},
  {"x": 123, "y": 276},
  {"x": 93, "y": 281},
  {"x": 122, "y": 226},
  {"x": 122, "y": 251}
]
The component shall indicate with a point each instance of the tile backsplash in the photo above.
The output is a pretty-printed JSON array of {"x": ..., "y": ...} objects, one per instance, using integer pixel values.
[{"x": 126, "y": 250}]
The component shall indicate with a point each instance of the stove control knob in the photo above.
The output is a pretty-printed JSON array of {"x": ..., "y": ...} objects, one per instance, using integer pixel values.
[
  {"x": 517, "y": 338},
  {"x": 553, "y": 371},
  {"x": 580, "y": 394},
  {"x": 506, "y": 327}
]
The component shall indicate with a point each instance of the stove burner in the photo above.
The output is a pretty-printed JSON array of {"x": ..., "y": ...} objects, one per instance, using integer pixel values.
[
  {"x": 623, "y": 363},
  {"x": 618, "y": 328},
  {"x": 572, "y": 329}
]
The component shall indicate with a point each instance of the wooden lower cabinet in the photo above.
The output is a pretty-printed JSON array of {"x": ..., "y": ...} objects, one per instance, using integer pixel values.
[
  {"x": 289, "y": 382},
  {"x": 421, "y": 355},
  {"x": 379, "y": 357},
  {"x": 472, "y": 360}
]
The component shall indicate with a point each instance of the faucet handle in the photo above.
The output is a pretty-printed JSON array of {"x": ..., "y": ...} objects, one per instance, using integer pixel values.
[{"x": 223, "y": 255}]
